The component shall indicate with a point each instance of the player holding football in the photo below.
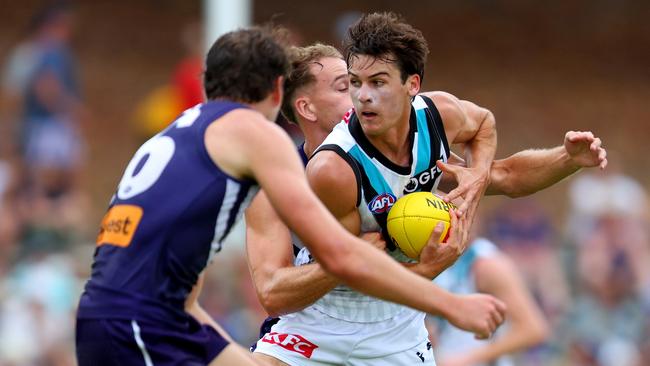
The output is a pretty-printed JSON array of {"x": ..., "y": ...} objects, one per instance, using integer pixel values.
[
  {"x": 179, "y": 197},
  {"x": 315, "y": 91}
]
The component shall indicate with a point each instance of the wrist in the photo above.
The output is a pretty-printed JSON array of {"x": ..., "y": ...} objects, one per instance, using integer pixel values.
[
  {"x": 446, "y": 304},
  {"x": 567, "y": 160}
]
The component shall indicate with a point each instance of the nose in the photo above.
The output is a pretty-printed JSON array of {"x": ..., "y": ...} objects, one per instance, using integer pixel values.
[{"x": 364, "y": 94}]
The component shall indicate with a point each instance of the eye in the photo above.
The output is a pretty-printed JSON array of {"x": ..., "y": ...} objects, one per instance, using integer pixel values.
[
  {"x": 378, "y": 82},
  {"x": 355, "y": 83}
]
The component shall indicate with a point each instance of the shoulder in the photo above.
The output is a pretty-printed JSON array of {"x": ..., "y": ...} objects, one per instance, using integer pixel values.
[
  {"x": 328, "y": 167},
  {"x": 243, "y": 123},
  {"x": 334, "y": 180},
  {"x": 447, "y": 104},
  {"x": 236, "y": 139}
]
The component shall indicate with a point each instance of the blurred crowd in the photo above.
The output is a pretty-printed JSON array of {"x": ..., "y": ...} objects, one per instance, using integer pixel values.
[{"x": 591, "y": 278}]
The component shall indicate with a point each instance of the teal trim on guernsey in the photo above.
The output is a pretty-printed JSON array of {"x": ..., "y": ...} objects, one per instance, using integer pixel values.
[{"x": 376, "y": 179}]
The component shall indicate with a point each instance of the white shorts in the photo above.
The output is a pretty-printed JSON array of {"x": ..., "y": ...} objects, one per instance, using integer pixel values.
[{"x": 310, "y": 338}]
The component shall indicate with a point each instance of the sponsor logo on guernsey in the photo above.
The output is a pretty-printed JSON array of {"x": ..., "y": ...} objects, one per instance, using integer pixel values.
[
  {"x": 423, "y": 181},
  {"x": 381, "y": 203},
  {"x": 119, "y": 224},
  {"x": 291, "y": 342}
]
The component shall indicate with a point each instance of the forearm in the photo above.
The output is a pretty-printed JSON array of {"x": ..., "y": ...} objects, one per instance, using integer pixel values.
[
  {"x": 429, "y": 271},
  {"x": 480, "y": 150},
  {"x": 294, "y": 288},
  {"x": 382, "y": 277},
  {"x": 529, "y": 171}
]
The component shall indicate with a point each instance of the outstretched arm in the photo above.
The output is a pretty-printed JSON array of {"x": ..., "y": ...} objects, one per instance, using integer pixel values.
[{"x": 532, "y": 170}]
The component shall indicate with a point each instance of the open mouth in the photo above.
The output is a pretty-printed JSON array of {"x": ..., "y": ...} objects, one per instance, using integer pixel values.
[{"x": 369, "y": 114}]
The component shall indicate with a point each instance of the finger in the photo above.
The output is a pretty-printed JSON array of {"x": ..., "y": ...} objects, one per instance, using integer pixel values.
[
  {"x": 575, "y": 136},
  {"x": 453, "y": 220},
  {"x": 455, "y": 194},
  {"x": 500, "y": 307},
  {"x": 603, "y": 164},
  {"x": 447, "y": 168},
  {"x": 595, "y": 145},
  {"x": 492, "y": 325},
  {"x": 481, "y": 336},
  {"x": 498, "y": 318},
  {"x": 460, "y": 211},
  {"x": 437, "y": 232}
]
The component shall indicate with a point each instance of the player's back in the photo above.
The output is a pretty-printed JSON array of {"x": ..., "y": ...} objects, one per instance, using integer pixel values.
[{"x": 172, "y": 209}]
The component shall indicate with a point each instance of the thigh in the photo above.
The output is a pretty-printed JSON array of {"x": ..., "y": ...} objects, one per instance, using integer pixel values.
[
  {"x": 102, "y": 342},
  {"x": 234, "y": 354},
  {"x": 309, "y": 338},
  {"x": 268, "y": 360},
  {"x": 402, "y": 340},
  {"x": 422, "y": 354}
]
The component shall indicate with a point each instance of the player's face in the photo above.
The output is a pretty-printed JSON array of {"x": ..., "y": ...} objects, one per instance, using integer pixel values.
[
  {"x": 330, "y": 94},
  {"x": 381, "y": 100}
]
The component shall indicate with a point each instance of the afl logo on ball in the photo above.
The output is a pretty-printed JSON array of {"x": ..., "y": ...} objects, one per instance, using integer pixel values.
[{"x": 381, "y": 203}]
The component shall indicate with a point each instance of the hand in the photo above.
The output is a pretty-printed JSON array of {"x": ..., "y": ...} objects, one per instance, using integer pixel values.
[
  {"x": 439, "y": 256},
  {"x": 585, "y": 150},
  {"x": 472, "y": 183},
  {"x": 480, "y": 314},
  {"x": 374, "y": 238}
]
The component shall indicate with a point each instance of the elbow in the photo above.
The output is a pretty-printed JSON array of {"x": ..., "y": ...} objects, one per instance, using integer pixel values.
[
  {"x": 536, "y": 332},
  {"x": 502, "y": 182},
  {"x": 268, "y": 303},
  {"x": 338, "y": 264},
  {"x": 541, "y": 333}
]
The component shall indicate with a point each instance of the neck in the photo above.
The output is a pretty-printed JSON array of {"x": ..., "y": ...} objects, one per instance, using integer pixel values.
[
  {"x": 395, "y": 143},
  {"x": 314, "y": 136}
]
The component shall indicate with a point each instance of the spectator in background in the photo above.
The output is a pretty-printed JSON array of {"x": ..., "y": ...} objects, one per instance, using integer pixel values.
[
  {"x": 42, "y": 77},
  {"x": 524, "y": 232},
  {"x": 608, "y": 229},
  {"x": 182, "y": 91},
  {"x": 51, "y": 137}
]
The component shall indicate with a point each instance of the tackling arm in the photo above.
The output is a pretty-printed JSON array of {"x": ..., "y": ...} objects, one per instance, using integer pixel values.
[
  {"x": 532, "y": 170},
  {"x": 281, "y": 287}
]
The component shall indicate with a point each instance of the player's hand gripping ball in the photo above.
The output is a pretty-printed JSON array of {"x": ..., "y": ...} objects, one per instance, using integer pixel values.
[{"x": 412, "y": 219}]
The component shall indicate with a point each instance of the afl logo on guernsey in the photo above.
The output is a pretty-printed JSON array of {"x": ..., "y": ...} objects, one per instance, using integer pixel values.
[{"x": 381, "y": 203}]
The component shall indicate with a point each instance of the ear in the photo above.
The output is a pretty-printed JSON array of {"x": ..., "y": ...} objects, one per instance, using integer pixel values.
[
  {"x": 305, "y": 108},
  {"x": 278, "y": 91},
  {"x": 413, "y": 84}
]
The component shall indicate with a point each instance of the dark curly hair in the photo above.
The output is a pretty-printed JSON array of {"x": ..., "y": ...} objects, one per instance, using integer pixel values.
[
  {"x": 386, "y": 36},
  {"x": 243, "y": 65}
]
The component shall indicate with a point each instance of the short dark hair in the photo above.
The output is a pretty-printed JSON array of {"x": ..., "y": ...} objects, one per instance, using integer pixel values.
[
  {"x": 243, "y": 65},
  {"x": 301, "y": 58},
  {"x": 386, "y": 36}
]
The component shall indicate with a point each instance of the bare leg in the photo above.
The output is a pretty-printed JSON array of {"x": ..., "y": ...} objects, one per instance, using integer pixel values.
[{"x": 268, "y": 360}]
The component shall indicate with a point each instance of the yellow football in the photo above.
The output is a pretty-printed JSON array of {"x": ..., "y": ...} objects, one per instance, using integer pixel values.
[{"x": 413, "y": 217}]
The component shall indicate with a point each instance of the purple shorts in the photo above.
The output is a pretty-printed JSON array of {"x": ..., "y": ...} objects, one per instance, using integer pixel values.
[{"x": 103, "y": 342}]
